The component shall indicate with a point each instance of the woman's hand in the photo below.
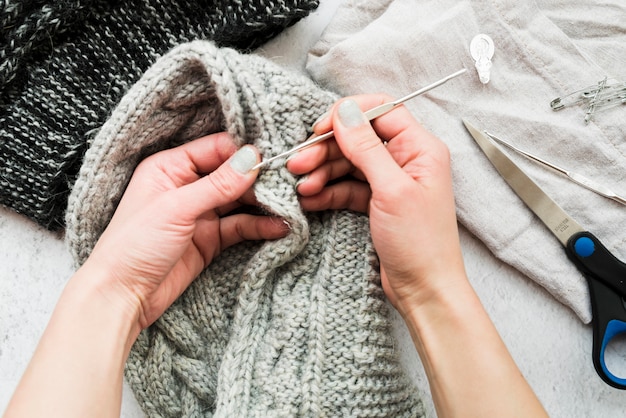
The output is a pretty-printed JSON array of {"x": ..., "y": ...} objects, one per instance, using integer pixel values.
[
  {"x": 399, "y": 173},
  {"x": 174, "y": 219}
]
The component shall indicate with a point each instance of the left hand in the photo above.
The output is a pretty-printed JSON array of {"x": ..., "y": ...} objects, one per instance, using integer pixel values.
[{"x": 173, "y": 220}]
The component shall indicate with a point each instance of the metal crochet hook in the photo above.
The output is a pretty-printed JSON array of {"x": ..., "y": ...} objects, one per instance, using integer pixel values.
[
  {"x": 370, "y": 114},
  {"x": 576, "y": 178}
]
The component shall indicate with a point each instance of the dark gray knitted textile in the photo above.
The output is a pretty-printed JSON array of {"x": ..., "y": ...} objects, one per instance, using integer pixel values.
[
  {"x": 292, "y": 327},
  {"x": 64, "y": 65}
]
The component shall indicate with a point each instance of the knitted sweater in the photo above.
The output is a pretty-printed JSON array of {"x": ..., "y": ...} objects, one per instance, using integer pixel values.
[
  {"x": 64, "y": 65},
  {"x": 292, "y": 327}
]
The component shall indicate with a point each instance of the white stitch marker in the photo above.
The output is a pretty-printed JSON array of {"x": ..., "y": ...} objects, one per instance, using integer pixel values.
[{"x": 482, "y": 49}]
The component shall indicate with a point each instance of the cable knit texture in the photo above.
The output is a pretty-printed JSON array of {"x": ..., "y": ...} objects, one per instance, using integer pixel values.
[
  {"x": 65, "y": 64},
  {"x": 292, "y": 327}
]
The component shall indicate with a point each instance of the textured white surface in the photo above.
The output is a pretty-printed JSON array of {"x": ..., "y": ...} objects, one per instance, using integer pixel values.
[{"x": 549, "y": 343}]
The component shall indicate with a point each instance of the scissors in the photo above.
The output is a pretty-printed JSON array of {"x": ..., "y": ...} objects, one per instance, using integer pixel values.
[{"x": 605, "y": 274}]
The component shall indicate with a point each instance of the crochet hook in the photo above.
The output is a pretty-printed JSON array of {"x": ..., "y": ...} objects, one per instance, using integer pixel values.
[
  {"x": 576, "y": 178},
  {"x": 370, "y": 114}
]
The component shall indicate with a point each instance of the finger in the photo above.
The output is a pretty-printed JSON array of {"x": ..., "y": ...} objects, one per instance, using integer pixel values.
[
  {"x": 366, "y": 101},
  {"x": 352, "y": 195},
  {"x": 188, "y": 162},
  {"x": 240, "y": 207},
  {"x": 363, "y": 147},
  {"x": 209, "y": 152},
  {"x": 314, "y": 182},
  {"x": 389, "y": 126},
  {"x": 324, "y": 122},
  {"x": 244, "y": 227},
  {"x": 309, "y": 159},
  {"x": 223, "y": 186},
  {"x": 407, "y": 139},
  {"x": 247, "y": 199},
  {"x": 397, "y": 123}
]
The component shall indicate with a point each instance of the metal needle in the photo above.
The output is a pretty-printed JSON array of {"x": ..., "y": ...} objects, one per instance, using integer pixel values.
[
  {"x": 370, "y": 114},
  {"x": 576, "y": 178}
]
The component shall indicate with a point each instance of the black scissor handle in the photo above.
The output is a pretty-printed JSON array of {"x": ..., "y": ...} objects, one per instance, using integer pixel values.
[{"x": 606, "y": 276}]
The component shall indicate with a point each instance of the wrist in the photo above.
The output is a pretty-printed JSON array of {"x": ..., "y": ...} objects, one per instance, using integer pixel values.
[
  {"x": 77, "y": 368},
  {"x": 94, "y": 284},
  {"x": 443, "y": 321},
  {"x": 437, "y": 302},
  {"x": 442, "y": 301},
  {"x": 425, "y": 290},
  {"x": 457, "y": 343}
]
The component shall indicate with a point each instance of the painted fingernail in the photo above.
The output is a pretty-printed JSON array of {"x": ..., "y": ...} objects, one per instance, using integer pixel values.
[
  {"x": 350, "y": 114},
  {"x": 243, "y": 160},
  {"x": 321, "y": 118},
  {"x": 292, "y": 156}
]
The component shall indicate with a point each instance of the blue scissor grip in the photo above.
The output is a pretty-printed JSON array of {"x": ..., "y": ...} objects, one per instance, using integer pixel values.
[
  {"x": 613, "y": 328},
  {"x": 606, "y": 276}
]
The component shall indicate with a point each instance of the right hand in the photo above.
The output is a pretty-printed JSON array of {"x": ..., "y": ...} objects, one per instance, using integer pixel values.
[{"x": 405, "y": 186}]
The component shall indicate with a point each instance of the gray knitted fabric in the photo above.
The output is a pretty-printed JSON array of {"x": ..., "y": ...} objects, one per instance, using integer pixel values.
[
  {"x": 65, "y": 64},
  {"x": 292, "y": 327}
]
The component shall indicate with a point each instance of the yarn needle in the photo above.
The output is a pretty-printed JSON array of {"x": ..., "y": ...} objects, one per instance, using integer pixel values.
[
  {"x": 370, "y": 115},
  {"x": 576, "y": 178}
]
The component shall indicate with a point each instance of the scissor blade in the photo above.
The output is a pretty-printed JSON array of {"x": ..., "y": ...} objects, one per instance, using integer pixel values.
[{"x": 550, "y": 213}]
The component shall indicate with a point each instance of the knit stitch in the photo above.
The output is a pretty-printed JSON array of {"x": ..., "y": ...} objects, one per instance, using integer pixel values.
[
  {"x": 292, "y": 327},
  {"x": 64, "y": 65}
]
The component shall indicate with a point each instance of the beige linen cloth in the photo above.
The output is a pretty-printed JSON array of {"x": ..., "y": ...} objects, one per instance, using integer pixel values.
[{"x": 543, "y": 49}]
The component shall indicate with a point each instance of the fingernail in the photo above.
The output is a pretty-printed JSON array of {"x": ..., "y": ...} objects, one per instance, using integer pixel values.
[
  {"x": 292, "y": 156},
  {"x": 243, "y": 160},
  {"x": 350, "y": 114},
  {"x": 301, "y": 180},
  {"x": 321, "y": 118}
]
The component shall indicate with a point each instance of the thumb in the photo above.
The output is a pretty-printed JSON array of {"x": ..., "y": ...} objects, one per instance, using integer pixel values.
[
  {"x": 361, "y": 145},
  {"x": 224, "y": 185}
]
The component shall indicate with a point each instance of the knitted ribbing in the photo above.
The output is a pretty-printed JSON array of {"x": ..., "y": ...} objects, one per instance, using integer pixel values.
[
  {"x": 292, "y": 327},
  {"x": 64, "y": 65},
  {"x": 26, "y": 25}
]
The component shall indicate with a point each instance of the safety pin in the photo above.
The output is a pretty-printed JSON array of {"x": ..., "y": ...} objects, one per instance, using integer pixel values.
[
  {"x": 592, "y": 103},
  {"x": 370, "y": 115},
  {"x": 586, "y": 94},
  {"x": 616, "y": 100},
  {"x": 610, "y": 98},
  {"x": 576, "y": 178},
  {"x": 603, "y": 101}
]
